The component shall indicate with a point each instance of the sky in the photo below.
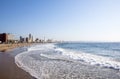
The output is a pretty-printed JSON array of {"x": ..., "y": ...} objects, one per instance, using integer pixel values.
[{"x": 69, "y": 20}]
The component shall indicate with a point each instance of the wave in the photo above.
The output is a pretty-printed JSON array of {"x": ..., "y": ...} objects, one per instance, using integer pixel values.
[
  {"x": 93, "y": 59},
  {"x": 42, "y": 61}
]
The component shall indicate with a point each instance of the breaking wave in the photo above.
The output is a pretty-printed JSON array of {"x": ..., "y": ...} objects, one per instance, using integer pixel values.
[{"x": 47, "y": 61}]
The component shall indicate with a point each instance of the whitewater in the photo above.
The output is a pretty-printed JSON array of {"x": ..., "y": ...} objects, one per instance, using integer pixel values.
[{"x": 61, "y": 61}]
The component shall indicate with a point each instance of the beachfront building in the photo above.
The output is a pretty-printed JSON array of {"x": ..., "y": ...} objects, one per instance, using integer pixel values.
[
  {"x": 37, "y": 40},
  {"x": 26, "y": 39},
  {"x": 30, "y": 39},
  {"x": 3, "y": 37},
  {"x": 22, "y": 39},
  {"x": 6, "y": 38},
  {"x": 49, "y": 41}
]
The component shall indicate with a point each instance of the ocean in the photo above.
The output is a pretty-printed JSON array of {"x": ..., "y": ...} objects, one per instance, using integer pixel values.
[{"x": 71, "y": 60}]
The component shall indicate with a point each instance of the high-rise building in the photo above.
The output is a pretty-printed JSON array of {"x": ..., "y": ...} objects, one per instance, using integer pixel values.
[
  {"x": 21, "y": 39},
  {"x": 30, "y": 38}
]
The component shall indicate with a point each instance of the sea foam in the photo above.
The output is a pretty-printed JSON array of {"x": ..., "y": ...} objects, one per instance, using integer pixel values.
[{"x": 50, "y": 62}]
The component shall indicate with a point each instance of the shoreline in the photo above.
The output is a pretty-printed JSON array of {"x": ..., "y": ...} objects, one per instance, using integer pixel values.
[
  {"x": 9, "y": 70},
  {"x": 8, "y": 67}
]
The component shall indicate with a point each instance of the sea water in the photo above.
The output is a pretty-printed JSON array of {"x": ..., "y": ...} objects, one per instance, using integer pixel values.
[{"x": 73, "y": 60}]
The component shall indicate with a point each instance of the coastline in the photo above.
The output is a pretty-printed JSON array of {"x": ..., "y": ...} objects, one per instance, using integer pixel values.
[{"x": 8, "y": 68}]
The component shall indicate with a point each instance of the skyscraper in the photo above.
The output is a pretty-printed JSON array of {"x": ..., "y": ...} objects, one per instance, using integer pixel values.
[{"x": 30, "y": 38}]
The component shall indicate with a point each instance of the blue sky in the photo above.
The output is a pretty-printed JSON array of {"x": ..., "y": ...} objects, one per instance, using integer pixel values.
[{"x": 72, "y": 20}]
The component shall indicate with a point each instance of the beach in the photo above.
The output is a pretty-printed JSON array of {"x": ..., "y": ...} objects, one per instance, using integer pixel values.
[
  {"x": 8, "y": 68},
  {"x": 46, "y": 61},
  {"x": 7, "y": 47}
]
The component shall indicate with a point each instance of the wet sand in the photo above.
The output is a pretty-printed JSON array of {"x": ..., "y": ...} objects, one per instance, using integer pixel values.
[{"x": 9, "y": 70}]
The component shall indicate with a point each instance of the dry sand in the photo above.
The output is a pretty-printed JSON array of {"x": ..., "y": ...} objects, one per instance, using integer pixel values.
[{"x": 7, "y": 47}]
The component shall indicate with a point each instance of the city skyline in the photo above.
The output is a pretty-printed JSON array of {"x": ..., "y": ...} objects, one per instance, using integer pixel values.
[{"x": 69, "y": 20}]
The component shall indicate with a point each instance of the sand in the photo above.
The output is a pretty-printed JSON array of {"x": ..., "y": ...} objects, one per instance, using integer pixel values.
[
  {"x": 7, "y": 47},
  {"x": 9, "y": 70}
]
